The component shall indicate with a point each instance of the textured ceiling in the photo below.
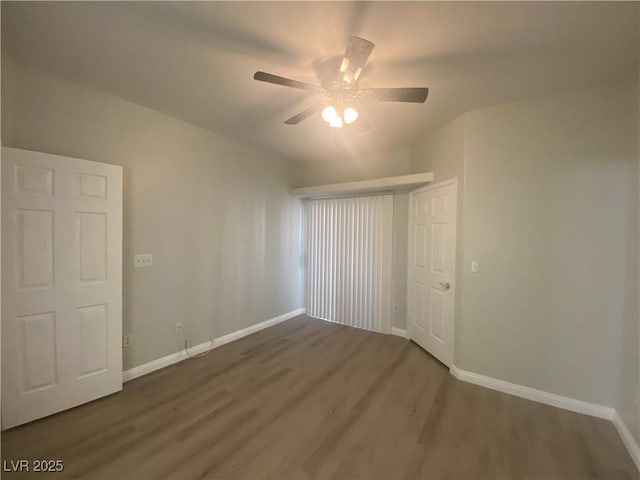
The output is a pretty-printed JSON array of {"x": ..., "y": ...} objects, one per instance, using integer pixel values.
[{"x": 195, "y": 61}]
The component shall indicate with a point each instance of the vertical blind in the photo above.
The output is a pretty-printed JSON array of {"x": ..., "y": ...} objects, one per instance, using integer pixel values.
[{"x": 348, "y": 260}]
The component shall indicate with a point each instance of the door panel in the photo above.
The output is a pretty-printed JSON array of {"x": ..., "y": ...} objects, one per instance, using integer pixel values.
[
  {"x": 35, "y": 248},
  {"x": 92, "y": 186},
  {"x": 38, "y": 351},
  {"x": 437, "y": 320},
  {"x": 421, "y": 296},
  {"x": 421, "y": 246},
  {"x": 93, "y": 339},
  {"x": 431, "y": 272},
  {"x": 438, "y": 255},
  {"x": 30, "y": 179},
  {"x": 92, "y": 244},
  {"x": 61, "y": 283}
]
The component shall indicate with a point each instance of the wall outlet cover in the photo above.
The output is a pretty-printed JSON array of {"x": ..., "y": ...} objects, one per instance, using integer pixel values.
[{"x": 143, "y": 260}]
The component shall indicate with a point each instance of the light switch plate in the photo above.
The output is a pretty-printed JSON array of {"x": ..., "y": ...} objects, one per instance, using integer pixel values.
[
  {"x": 474, "y": 266},
  {"x": 143, "y": 260}
]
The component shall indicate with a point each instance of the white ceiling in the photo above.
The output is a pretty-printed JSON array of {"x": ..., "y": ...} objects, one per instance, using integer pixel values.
[{"x": 195, "y": 61}]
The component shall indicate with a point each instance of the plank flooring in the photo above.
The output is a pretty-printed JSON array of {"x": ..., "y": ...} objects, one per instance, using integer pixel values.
[{"x": 310, "y": 399}]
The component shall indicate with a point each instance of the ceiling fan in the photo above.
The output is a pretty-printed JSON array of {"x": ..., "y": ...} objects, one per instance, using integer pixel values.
[{"x": 341, "y": 94}]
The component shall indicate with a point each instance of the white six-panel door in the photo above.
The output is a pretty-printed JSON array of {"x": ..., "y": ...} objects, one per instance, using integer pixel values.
[
  {"x": 431, "y": 272},
  {"x": 61, "y": 283}
]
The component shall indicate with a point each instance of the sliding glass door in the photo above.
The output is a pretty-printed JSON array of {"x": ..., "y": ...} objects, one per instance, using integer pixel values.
[{"x": 348, "y": 260}]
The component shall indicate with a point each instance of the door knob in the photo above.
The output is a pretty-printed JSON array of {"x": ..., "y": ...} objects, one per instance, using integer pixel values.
[{"x": 445, "y": 285}]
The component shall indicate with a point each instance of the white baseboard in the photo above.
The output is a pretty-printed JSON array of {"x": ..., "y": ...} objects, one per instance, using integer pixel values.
[
  {"x": 559, "y": 401},
  {"x": 627, "y": 439},
  {"x": 400, "y": 332},
  {"x": 159, "y": 363},
  {"x": 529, "y": 393}
]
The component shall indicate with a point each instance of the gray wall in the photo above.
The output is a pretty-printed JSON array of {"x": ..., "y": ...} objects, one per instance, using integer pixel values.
[
  {"x": 400, "y": 259},
  {"x": 546, "y": 213},
  {"x": 223, "y": 231},
  {"x": 384, "y": 164},
  {"x": 442, "y": 152},
  {"x": 628, "y": 392}
]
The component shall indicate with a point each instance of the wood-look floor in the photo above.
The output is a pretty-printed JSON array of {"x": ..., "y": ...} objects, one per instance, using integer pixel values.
[{"x": 310, "y": 399}]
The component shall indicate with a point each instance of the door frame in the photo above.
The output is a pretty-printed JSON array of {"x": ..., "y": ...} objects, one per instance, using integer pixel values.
[{"x": 433, "y": 186}]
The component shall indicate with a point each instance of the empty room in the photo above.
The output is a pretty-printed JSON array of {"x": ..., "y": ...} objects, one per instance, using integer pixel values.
[{"x": 320, "y": 240}]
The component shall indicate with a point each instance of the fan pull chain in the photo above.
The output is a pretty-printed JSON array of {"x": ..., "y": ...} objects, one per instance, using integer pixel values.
[{"x": 335, "y": 138}]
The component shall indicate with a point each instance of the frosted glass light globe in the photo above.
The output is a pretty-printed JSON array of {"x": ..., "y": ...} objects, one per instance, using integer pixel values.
[
  {"x": 350, "y": 115},
  {"x": 329, "y": 114},
  {"x": 336, "y": 122}
]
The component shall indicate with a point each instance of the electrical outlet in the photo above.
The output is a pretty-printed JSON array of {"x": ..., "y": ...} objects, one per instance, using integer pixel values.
[
  {"x": 178, "y": 326},
  {"x": 186, "y": 343},
  {"x": 143, "y": 260},
  {"x": 127, "y": 340}
]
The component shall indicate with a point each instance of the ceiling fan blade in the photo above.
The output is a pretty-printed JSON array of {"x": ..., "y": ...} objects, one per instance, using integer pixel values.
[
  {"x": 355, "y": 56},
  {"x": 413, "y": 95},
  {"x": 287, "y": 82},
  {"x": 358, "y": 51},
  {"x": 303, "y": 115}
]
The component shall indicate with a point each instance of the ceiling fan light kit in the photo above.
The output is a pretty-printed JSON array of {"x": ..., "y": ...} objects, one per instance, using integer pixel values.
[
  {"x": 338, "y": 110},
  {"x": 336, "y": 117},
  {"x": 350, "y": 115},
  {"x": 329, "y": 113}
]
